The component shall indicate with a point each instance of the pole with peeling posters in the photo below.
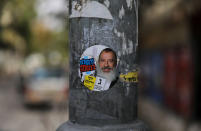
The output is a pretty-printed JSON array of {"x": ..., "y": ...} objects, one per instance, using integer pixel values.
[{"x": 103, "y": 70}]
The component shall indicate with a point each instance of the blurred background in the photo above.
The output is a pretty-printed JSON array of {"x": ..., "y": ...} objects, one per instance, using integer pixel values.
[
  {"x": 170, "y": 75},
  {"x": 34, "y": 64}
]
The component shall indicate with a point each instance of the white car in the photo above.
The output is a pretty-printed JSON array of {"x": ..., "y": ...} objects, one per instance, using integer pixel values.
[{"x": 46, "y": 85}]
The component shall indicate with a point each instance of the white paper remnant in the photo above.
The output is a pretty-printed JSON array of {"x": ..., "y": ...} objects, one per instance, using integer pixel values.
[
  {"x": 90, "y": 9},
  {"x": 121, "y": 12},
  {"x": 101, "y": 84},
  {"x": 129, "y": 3}
]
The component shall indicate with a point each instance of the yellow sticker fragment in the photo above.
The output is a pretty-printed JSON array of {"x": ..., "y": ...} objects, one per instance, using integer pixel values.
[
  {"x": 129, "y": 77},
  {"x": 89, "y": 82}
]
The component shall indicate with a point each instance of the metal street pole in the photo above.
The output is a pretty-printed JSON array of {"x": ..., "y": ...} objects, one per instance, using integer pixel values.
[{"x": 103, "y": 72}]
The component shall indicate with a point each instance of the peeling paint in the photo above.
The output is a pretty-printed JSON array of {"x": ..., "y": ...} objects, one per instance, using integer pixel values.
[
  {"x": 86, "y": 38},
  {"x": 136, "y": 45},
  {"x": 107, "y": 3},
  {"x": 127, "y": 89},
  {"x": 130, "y": 49},
  {"x": 119, "y": 53},
  {"x": 126, "y": 70},
  {"x": 136, "y": 12},
  {"x": 90, "y": 9},
  {"x": 127, "y": 66},
  {"x": 84, "y": 1},
  {"x": 121, "y": 12},
  {"x": 117, "y": 33},
  {"x": 136, "y": 6},
  {"x": 124, "y": 45},
  {"x": 127, "y": 45},
  {"x": 129, "y": 4}
]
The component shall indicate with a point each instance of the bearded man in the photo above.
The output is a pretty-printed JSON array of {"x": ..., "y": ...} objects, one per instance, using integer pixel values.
[{"x": 107, "y": 64}]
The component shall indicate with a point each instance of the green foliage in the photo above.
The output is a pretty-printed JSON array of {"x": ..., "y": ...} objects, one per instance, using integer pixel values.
[
  {"x": 23, "y": 32},
  {"x": 16, "y": 17}
]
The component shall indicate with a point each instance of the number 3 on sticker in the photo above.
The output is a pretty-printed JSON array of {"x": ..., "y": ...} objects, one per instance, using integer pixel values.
[{"x": 100, "y": 82}]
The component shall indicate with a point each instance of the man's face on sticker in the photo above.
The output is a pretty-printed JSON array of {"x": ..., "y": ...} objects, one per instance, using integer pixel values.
[{"x": 107, "y": 61}]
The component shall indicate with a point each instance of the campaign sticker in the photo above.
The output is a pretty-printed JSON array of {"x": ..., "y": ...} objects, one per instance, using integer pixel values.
[
  {"x": 87, "y": 66},
  {"x": 98, "y": 67},
  {"x": 101, "y": 84},
  {"x": 129, "y": 77},
  {"x": 89, "y": 82}
]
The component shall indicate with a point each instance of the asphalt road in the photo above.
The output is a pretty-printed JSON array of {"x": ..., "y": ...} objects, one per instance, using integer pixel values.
[{"x": 14, "y": 116}]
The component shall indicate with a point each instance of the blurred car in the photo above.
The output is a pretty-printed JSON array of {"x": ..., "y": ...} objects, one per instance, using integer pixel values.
[{"x": 46, "y": 86}]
